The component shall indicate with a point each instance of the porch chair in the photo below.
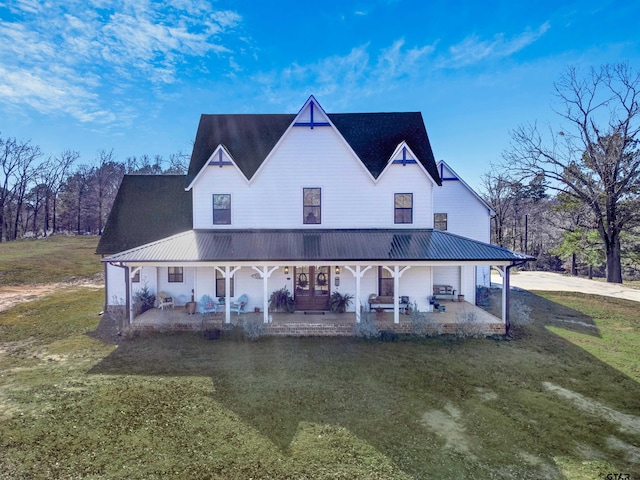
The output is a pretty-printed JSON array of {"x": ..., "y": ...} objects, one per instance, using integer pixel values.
[
  {"x": 164, "y": 300},
  {"x": 208, "y": 305},
  {"x": 240, "y": 304}
]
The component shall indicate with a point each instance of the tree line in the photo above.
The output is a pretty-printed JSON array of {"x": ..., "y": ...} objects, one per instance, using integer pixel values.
[
  {"x": 567, "y": 195},
  {"x": 573, "y": 191},
  {"x": 46, "y": 195}
]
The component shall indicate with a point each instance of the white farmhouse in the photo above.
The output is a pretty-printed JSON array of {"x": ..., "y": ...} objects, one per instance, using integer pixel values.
[{"x": 315, "y": 202}]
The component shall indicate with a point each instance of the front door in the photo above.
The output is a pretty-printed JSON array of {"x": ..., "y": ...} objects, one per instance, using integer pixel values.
[{"x": 312, "y": 288}]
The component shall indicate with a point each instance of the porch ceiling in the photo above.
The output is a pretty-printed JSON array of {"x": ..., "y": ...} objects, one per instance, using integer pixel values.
[{"x": 304, "y": 245}]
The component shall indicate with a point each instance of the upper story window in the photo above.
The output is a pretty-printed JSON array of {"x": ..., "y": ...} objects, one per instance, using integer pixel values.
[
  {"x": 221, "y": 209},
  {"x": 440, "y": 221},
  {"x": 403, "y": 208},
  {"x": 311, "y": 205},
  {"x": 176, "y": 275}
]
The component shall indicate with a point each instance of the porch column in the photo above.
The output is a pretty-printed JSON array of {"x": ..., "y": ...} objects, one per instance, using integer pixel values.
[
  {"x": 265, "y": 273},
  {"x": 505, "y": 273},
  {"x": 396, "y": 273},
  {"x": 131, "y": 272},
  {"x": 228, "y": 273},
  {"x": 358, "y": 274}
]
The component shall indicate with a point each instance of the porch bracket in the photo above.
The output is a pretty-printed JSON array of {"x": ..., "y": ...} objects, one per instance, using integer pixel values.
[
  {"x": 265, "y": 273},
  {"x": 358, "y": 273}
]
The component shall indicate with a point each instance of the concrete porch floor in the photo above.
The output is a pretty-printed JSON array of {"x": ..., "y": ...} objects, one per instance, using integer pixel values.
[{"x": 317, "y": 323}]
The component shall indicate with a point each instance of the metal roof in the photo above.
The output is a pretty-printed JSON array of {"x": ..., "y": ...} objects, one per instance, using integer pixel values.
[{"x": 316, "y": 245}]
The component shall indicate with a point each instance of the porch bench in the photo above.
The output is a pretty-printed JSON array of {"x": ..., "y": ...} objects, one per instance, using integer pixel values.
[
  {"x": 386, "y": 302},
  {"x": 444, "y": 292}
]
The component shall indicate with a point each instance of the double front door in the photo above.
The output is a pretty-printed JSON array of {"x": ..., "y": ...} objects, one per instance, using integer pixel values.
[{"x": 311, "y": 286}]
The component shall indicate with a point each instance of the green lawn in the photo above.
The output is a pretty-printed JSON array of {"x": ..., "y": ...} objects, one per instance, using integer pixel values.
[
  {"x": 560, "y": 401},
  {"x": 59, "y": 258}
]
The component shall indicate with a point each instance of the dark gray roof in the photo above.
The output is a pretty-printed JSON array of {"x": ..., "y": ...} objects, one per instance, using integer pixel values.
[
  {"x": 146, "y": 208},
  {"x": 250, "y": 137},
  {"x": 310, "y": 245}
]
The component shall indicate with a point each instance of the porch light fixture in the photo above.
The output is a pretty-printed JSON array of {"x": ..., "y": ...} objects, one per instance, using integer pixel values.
[
  {"x": 286, "y": 270},
  {"x": 337, "y": 270}
]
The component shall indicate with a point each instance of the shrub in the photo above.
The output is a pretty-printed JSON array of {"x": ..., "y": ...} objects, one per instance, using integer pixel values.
[
  {"x": 423, "y": 324},
  {"x": 144, "y": 300},
  {"x": 367, "y": 327}
]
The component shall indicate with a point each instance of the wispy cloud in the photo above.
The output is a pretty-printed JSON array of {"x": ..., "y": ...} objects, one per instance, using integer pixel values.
[
  {"x": 362, "y": 72},
  {"x": 359, "y": 73},
  {"x": 474, "y": 49},
  {"x": 62, "y": 58}
]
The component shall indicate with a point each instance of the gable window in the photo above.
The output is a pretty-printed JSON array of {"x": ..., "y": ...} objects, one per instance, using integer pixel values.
[
  {"x": 403, "y": 208},
  {"x": 220, "y": 290},
  {"x": 311, "y": 205},
  {"x": 176, "y": 275},
  {"x": 385, "y": 282},
  {"x": 221, "y": 209},
  {"x": 440, "y": 221},
  {"x": 136, "y": 277}
]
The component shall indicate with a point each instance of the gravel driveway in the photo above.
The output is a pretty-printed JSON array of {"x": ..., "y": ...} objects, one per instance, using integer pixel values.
[{"x": 557, "y": 282}]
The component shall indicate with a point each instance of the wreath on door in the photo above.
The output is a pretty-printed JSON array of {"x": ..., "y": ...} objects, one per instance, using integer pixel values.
[
  {"x": 321, "y": 279},
  {"x": 303, "y": 280}
]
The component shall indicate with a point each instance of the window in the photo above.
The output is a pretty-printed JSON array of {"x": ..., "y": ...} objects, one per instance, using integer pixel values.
[
  {"x": 385, "y": 282},
  {"x": 311, "y": 205},
  {"x": 403, "y": 208},
  {"x": 222, "y": 209},
  {"x": 136, "y": 277},
  {"x": 176, "y": 275},
  {"x": 220, "y": 291},
  {"x": 440, "y": 221}
]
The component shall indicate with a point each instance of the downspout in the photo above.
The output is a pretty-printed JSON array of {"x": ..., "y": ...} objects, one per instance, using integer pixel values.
[
  {"x": 127, "y": 301},
  {"x": 506, "y": 294}
]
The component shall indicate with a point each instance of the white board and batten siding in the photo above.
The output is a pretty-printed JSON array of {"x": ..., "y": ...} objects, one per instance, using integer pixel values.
[
  {"x": 313, "y": 158},
  {"x": 467, "y": 215}
]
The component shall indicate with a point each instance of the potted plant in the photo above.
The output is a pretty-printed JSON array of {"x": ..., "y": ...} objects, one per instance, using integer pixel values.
[
  {"x": 281, "y": 301},
  {"x": 339, "y": 302}
]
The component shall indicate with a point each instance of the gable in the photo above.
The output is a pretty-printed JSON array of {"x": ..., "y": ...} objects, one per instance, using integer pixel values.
[
  {"x": 375, "y": 136},
  {"x": 447, "y": 174},
  {"x": 249, "y": 138},
  {"x": 146, "y": 208}
]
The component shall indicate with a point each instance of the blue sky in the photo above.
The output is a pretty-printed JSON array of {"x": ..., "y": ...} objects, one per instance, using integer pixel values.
[{"x": 135, "y": 75}]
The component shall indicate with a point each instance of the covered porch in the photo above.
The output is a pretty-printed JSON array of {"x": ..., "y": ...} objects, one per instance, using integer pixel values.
[{"x": 456, "y": 317}]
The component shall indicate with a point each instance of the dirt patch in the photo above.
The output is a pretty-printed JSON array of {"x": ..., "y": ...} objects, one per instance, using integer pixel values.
[
  {"x": 446, "y": 423},
  {"x": 626, "y": 423},
  {"x": 631, "y": 453},
  {"x": 11, "y": 296}
]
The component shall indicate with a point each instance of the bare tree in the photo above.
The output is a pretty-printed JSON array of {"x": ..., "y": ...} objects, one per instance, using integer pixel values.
[
  {"x": 16, "y": 159},
  {"x": 594, "y": 157},
  {"x": 55, "y": 175}
]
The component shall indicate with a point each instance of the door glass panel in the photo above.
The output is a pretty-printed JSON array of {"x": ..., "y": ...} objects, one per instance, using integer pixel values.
[
  {"x": 321, "y": 281},
  {"x": 303, "y": 283}
]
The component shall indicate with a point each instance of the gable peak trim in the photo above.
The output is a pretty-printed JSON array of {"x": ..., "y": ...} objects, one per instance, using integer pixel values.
[
  {"x": 311, "y": 105},
  {"x": 217, "y": 159}
]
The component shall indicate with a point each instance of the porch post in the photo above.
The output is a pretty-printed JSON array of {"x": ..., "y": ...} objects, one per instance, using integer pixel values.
[
  {"x": 227, "y": 297},
  {"x": 506, "y": 287},
  {"x": 396, "y": 273},
  {"x": 396, "y": 294},
  {"x": 265, "y": 273},
  {"x": 358, "y": 274}
]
